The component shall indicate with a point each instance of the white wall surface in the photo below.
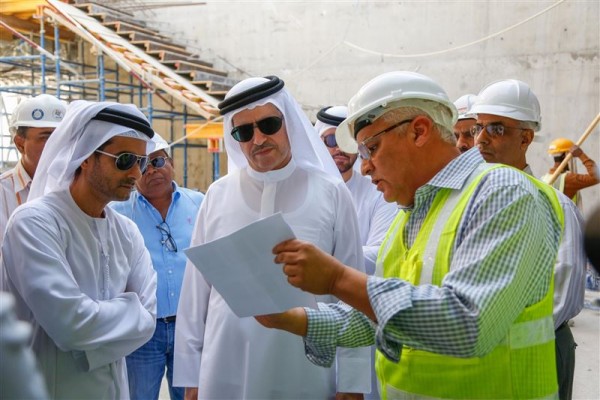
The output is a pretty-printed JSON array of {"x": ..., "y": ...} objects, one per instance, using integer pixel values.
[{"x": 309, "y": 44}]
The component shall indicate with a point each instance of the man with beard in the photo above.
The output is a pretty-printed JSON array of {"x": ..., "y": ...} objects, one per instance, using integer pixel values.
[
  {"x": 78, "y": 270},
  {"x": 374, "y": 214}
]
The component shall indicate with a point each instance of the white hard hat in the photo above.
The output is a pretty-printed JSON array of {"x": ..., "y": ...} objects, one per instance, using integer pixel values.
[
  {"x": 43, "y": 111},
  {"x": 463, "y": 106},
  {"x": 509, "y": 98},
  {"x": 387, "y": 92},
  {"x": 158, "y": 143}
]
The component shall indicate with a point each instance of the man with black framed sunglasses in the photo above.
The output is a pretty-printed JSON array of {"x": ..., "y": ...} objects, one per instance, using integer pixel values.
[
  {"x": 455, "y": 296},
  {"x": 276, "y": 164},
  {"x": 508, "y": 113},
  {"x": 165, "y": 214},
  {"x": 79, "y": 271}
]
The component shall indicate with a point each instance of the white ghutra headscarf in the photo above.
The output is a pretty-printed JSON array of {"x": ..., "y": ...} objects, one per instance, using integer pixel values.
[
  {"x": 75, "y": 139},
  {"x": 308, "y": 150}
]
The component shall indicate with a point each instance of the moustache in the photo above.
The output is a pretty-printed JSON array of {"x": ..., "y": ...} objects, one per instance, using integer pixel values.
[{"x": 261, "y": 147}]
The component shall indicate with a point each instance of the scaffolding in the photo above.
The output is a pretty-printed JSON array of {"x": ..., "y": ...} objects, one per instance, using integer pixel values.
[{"x": 73, "y": 59}]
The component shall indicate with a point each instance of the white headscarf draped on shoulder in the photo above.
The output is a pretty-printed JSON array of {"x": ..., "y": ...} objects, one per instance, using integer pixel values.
[
  {"x": 76, "y": 138},
  {"x": 307, "y": 149}
]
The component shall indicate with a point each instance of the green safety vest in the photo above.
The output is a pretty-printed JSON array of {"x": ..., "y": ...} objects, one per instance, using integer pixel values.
[{"x": 521, "y": 366}]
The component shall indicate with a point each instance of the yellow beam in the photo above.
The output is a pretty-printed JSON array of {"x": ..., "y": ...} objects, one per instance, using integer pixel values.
[
  {"x": 10, "y": 7},
  {"x": 209, "y": 130}
]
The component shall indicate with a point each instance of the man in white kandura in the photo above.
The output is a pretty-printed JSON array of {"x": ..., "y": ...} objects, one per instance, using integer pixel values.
[
  {"x": 276, "y": 164},
  {"x": 79, "y": 271}
]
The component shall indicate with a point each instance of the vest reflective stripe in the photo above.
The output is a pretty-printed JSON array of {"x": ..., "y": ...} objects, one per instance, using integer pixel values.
[{"x": 508, "y": 371}]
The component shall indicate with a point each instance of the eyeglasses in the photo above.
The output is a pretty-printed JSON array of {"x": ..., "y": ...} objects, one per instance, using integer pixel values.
[
  {"x": 330, "y": 141},
  {"x": 158, "y": 162},
  {"x": 126, "y": 161},
  {"x": 268, "y": 126},
  {"x": 494, "y": 129},
  {"x": 468, "y": 133},
  {"x": 364, "y": 152},
  {"x": 167, "y": 239}
]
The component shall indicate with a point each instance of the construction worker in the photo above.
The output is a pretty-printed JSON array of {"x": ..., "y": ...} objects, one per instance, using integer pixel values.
[
  {"x": 32, "y": 123},
  {"x": 462, "y": 128},
  {"x": 569, "y": 181},
  {"x": 455, "y": 285},
  {"x": 508, "y": 114}
]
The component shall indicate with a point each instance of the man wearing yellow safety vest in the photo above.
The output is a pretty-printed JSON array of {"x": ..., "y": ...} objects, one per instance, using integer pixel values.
[
  {"x": 461, "y": 304},
  {"x": 569, "y": 181},
  {"x": 508, "y": 113}
]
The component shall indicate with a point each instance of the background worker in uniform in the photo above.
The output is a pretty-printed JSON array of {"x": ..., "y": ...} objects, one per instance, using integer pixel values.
[
  {"x": 508, "y": 114},
  {"x": 456, "y": 293},
  {"x": 462, "y": 128},
  {"x": 32, "y": 123},
  {"x": 569, "y": 181},
  {"x": 165, "y": 215}
]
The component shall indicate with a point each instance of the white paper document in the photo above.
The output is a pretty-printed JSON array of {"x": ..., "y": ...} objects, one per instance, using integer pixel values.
[{"x": 240, "y": 267}]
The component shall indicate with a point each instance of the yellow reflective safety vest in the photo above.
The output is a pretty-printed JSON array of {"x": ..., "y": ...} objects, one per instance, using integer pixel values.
[{"x": 522, "y": 366}]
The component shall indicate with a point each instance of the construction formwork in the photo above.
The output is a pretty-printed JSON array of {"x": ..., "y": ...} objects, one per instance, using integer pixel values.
[{"x": 73, "y": 69}]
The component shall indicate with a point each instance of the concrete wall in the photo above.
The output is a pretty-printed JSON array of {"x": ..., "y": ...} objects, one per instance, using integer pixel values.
[{"x": 306, "y": 44}]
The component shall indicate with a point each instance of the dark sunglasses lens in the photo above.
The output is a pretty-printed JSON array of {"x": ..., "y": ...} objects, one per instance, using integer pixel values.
[
  {"x": 158, "y": 162},
  {"x": 330, "y": 141},
  {"x": 269, "y": 125},
  {"x": 243, "y": 133},
  {"x": 126, "y": 161}
]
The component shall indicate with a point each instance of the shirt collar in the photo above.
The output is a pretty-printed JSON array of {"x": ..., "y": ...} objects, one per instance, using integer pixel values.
[
  {"x": 273, "y": 176},
  {"x": 23, "y": 180},
  {"x": 455, "y": 174}
]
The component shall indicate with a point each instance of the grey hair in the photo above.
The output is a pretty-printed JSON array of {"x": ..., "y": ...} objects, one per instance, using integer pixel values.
[{"x": 402, "y": 113}]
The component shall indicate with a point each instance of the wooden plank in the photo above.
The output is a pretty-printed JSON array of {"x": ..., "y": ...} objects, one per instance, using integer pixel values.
[
  {"x": 91, "y": 7},
  {"x": 127, "y": 27},
  {"x": 138, "y": 37},
  {"x": 184, "y": 67},
  {"x": 154, "y": 46},
  {"x": 191, "y": 61}
]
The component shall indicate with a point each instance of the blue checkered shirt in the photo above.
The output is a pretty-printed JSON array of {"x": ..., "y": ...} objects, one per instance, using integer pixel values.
[{"x": 501, "y": 262}]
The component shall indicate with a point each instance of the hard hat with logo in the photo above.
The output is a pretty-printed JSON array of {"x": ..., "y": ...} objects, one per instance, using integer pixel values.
[
  {"x": 463, "y": 106},
  {"x": 509, "y": 98},
  {"x": 389, "y": 91},
  {"x": 560, "y": 145},
  {"x": 43, "y": 111}
]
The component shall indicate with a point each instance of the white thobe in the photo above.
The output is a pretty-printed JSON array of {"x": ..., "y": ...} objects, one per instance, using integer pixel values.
[
  {"x": 88, "y": 288},
  {"x": 228, "y": 357},
  {"x": 374, "y": 216}
]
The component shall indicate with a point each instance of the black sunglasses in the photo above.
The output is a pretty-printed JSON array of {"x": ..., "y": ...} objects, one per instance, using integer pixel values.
[
  {"x": 330, "y": 141},
  {"x": 167, "y": 239},
  {"x": 126, "y": 161},
  {"x": 268, "y": 126}
]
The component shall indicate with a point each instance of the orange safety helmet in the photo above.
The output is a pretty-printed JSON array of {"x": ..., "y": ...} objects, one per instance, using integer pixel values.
[{"x": 560, "y": 145}]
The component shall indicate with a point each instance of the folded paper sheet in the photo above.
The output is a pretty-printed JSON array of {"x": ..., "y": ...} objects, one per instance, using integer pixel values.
[{"x": 241, "y": 268}]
